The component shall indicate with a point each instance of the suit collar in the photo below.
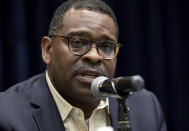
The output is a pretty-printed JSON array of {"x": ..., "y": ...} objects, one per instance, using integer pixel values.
[{"x": 44, "y": 109}]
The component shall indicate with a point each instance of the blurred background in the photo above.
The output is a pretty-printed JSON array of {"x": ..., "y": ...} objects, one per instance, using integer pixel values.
[{"x": 155, "y": 35}]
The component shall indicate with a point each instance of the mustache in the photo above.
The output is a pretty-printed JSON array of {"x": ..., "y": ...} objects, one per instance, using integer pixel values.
[{"x": 76, "y": 68}]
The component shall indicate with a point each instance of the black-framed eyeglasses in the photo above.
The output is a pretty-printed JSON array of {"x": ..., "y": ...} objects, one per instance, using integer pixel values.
[{"x": 81, "y": 45}]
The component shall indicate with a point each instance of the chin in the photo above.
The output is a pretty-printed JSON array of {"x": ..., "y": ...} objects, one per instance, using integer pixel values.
[{"x": 86, "y": 97}]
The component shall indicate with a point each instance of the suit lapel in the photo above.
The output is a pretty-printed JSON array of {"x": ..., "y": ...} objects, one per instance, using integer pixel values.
[{"x": 45, "y": 112}]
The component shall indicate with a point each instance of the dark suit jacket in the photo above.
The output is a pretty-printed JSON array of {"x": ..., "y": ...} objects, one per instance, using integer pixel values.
[{"x": 29, "y": 106}]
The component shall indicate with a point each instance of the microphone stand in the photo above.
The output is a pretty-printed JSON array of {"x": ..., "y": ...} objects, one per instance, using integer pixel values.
[{"x": 123, "y": 115}]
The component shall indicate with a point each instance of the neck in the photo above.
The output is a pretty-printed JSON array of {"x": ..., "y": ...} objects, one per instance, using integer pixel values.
[{"x": 86, "y": 107}]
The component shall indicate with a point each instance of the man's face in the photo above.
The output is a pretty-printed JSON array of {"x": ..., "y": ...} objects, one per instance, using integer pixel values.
[{"x": 71, "y": 74}]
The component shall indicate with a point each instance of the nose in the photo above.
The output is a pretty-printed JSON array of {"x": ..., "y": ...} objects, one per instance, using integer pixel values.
[{"x": 92, "y": 56}]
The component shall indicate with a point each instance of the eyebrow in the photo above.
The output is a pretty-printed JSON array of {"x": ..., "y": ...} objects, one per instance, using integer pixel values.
[
  {"x": 87, "y": 34},
  {"x": 79, "y": 33}
]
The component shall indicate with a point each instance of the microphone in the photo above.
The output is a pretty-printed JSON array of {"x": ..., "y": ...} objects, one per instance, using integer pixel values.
[{"x": 103, "y": 87}]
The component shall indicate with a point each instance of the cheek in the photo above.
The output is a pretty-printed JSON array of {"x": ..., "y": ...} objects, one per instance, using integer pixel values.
[
  {"x": 110, "y": 67},
  {"x": 63, "y": 63},
  {"x": 62, "y": 60}
]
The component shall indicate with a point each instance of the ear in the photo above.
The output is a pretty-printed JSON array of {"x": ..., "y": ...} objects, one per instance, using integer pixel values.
[{"x": 46, "y": 48}]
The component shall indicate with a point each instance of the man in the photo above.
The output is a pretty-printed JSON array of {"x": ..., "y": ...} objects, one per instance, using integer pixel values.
[{"x": 81, "y": 45}]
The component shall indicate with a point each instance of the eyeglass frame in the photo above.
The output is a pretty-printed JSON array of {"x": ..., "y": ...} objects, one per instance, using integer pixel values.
[{"x": 116, "y": 44}]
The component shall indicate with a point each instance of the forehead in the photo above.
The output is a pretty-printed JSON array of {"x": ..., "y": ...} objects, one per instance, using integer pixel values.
[{"x": 90, "y": 22}]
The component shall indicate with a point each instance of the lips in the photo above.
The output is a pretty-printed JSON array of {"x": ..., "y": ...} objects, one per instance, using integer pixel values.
[
  {"x": 87, "y": 75},
  {"x": 90, "y": 76}
]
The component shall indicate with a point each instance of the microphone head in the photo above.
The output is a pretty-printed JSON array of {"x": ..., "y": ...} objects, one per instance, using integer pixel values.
[
  {"x": 96, "y": 83},
  {"x": 137, "y": 82}
]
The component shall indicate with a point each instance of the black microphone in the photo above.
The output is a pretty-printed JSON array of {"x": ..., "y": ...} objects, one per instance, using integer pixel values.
[{"x": 103, "y": 87}]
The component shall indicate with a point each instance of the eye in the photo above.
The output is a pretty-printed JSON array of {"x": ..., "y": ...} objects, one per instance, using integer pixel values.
[
  {"x": 77, "y": 42},
  {"x": 107, "y": 47}
]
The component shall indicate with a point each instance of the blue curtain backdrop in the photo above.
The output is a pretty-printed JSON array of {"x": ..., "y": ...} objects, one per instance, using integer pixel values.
[{"x": 155, "y": 35}]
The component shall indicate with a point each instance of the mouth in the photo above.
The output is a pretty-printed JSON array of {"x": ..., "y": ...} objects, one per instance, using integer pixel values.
[{"x": 87, "y": 75}]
